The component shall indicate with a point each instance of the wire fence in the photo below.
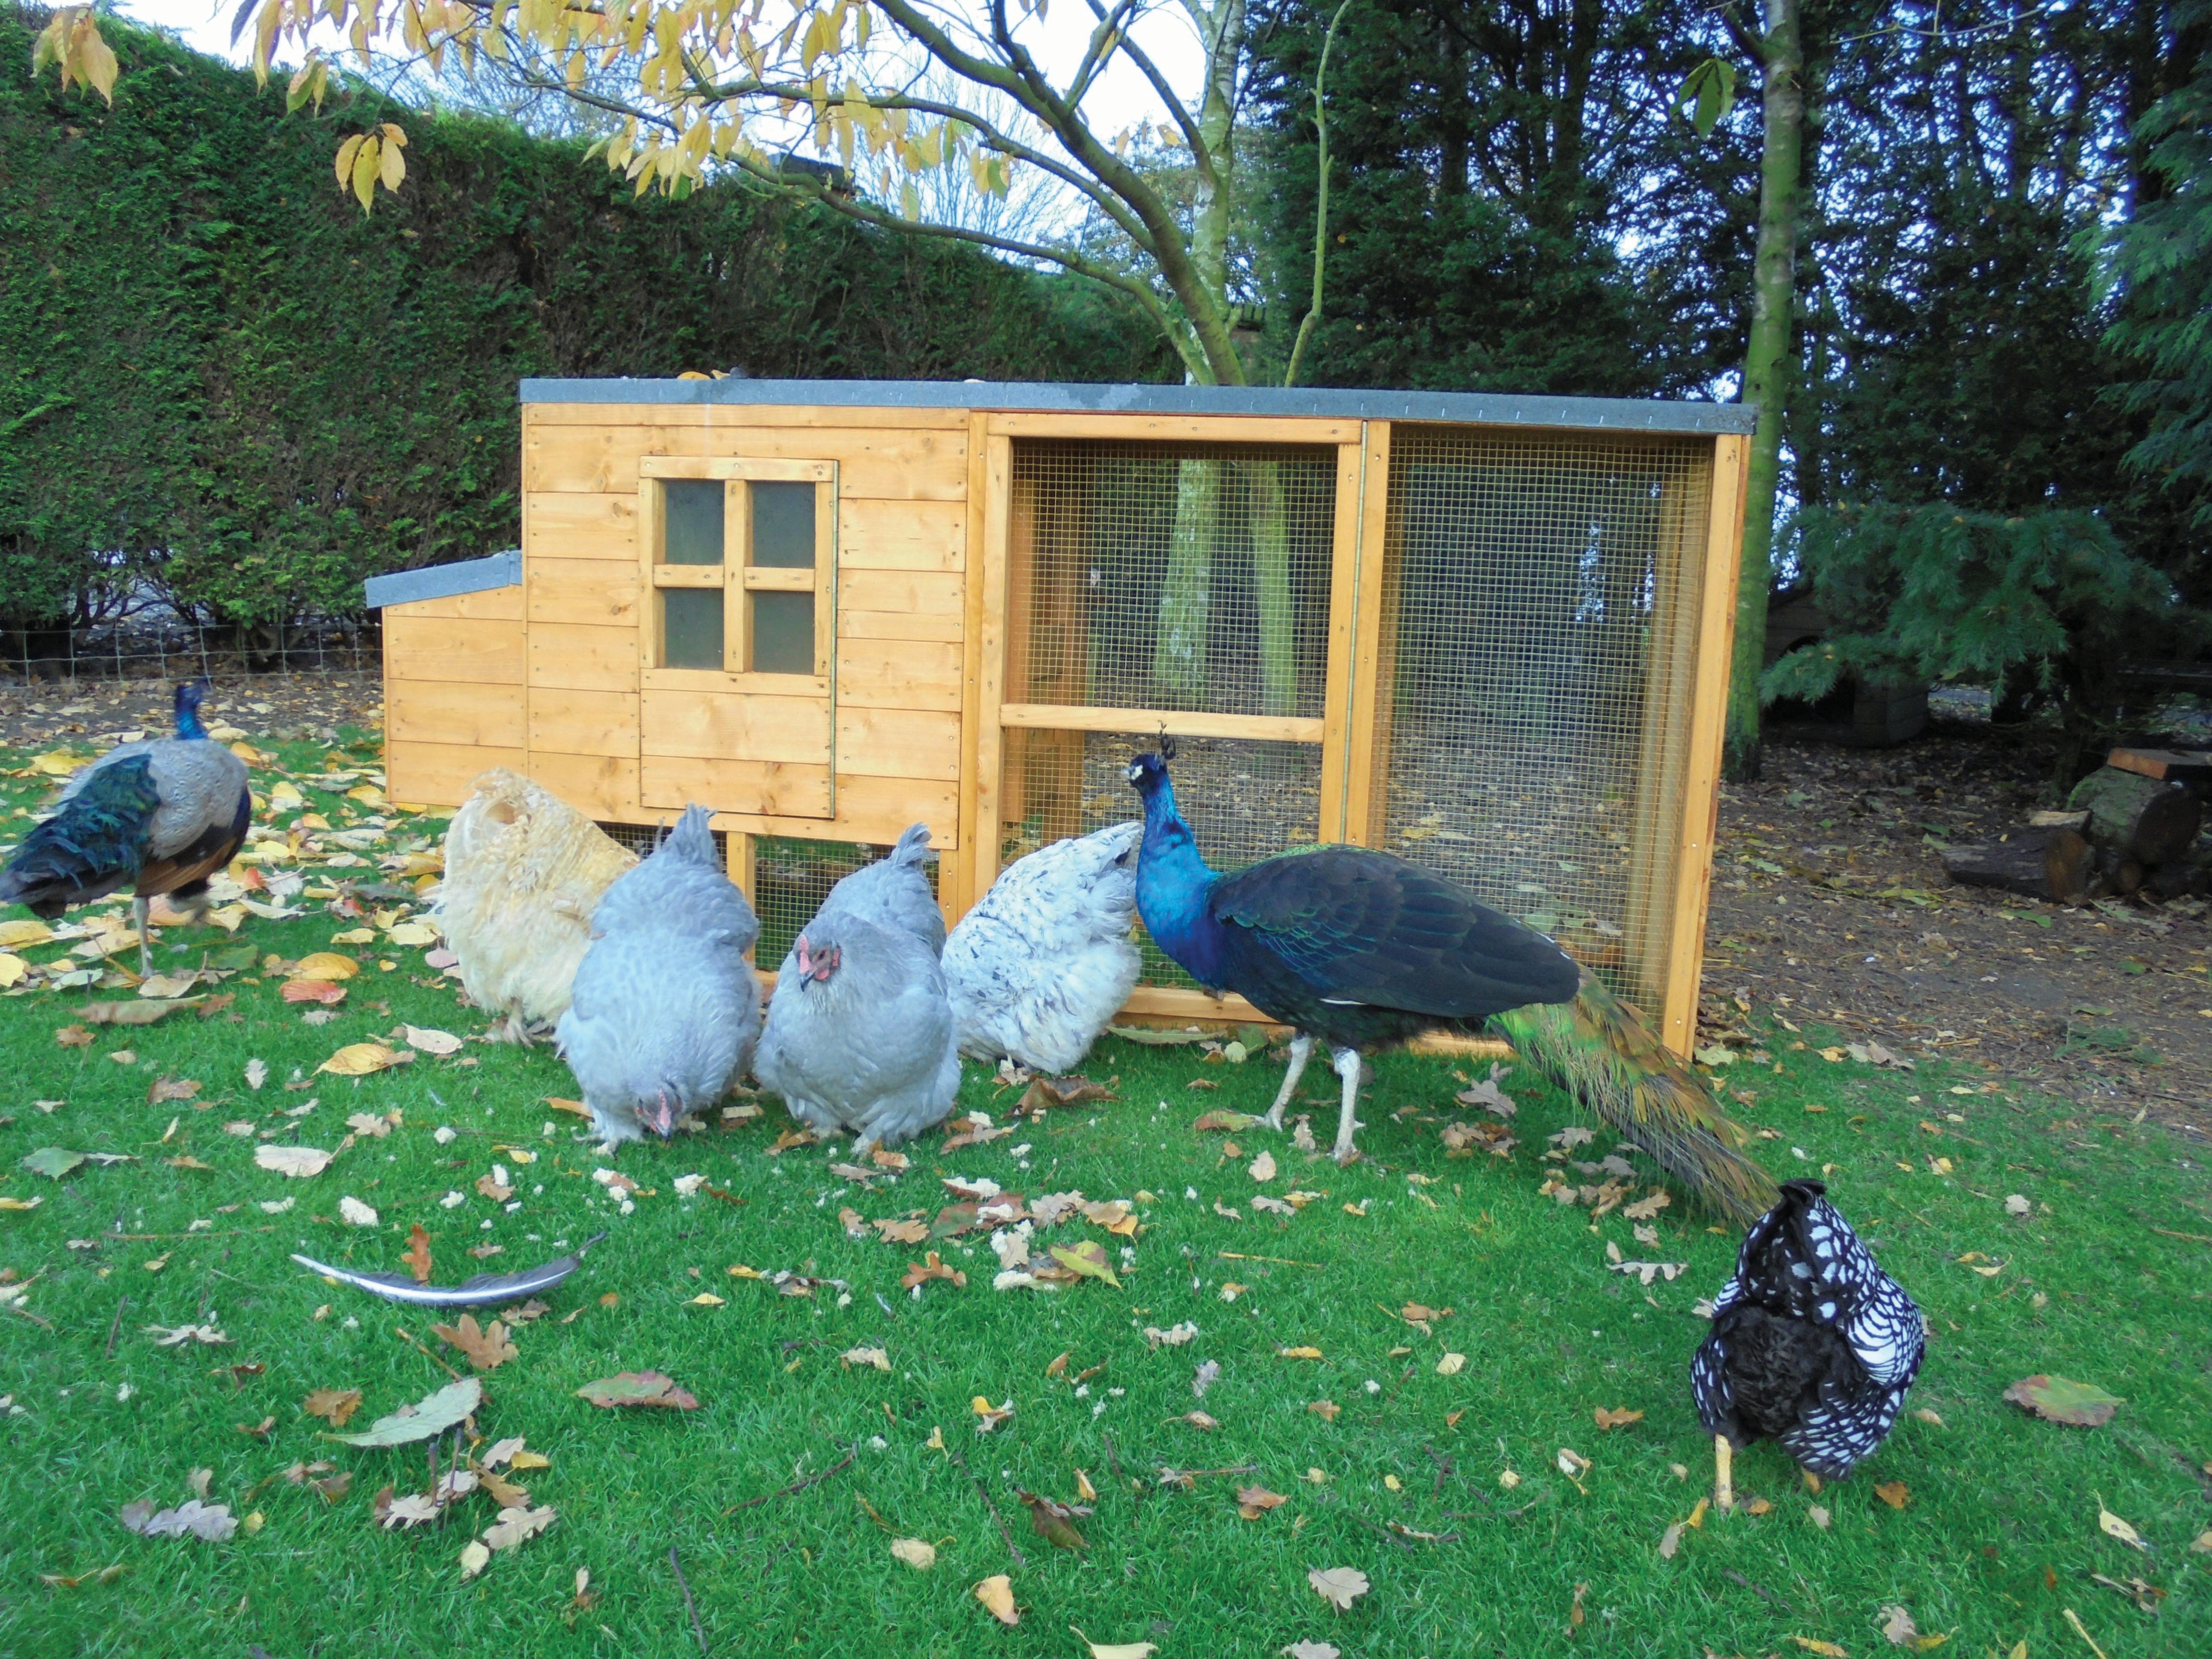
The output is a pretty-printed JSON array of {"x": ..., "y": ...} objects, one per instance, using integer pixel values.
[{"x": 154, "y": 642}]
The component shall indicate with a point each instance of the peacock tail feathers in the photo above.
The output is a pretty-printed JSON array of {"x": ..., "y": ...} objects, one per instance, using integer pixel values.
[
  {"x": 1599, "y": 1049},
  {"x": 95, "y": 843}
]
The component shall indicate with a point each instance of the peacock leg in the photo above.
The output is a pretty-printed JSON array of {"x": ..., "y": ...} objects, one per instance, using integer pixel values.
[
  {"x": 1301, "y": 1051},
  {"x": 1347, "y": 1067},
  {"x": 142, "y": 910},
  {"x": 1724, "y": 1474}
]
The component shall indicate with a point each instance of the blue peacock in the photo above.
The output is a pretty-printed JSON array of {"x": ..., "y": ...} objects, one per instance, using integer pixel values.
[
  {"x": 1358, "y": 950},
  {"x": 159, "y": 817}
]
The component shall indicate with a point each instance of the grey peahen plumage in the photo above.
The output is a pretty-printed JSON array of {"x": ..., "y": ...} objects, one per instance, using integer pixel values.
[
  {"x": 159, "y": 817},
  {"x": 665, "y": 1010}
]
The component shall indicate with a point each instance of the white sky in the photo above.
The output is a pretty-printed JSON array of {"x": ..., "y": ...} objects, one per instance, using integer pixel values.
[{"x": 1121, "y": 100}]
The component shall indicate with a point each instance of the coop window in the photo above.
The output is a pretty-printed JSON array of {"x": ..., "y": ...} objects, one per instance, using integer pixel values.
[{"x": 741, "y": 560}]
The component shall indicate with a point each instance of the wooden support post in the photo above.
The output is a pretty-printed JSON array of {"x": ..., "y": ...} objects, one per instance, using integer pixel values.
[
  {"x": 1701, "y": 803},
  {"x": 956, "y": 877},
  {"x": 1343, "y": 592},
  {"x": 988, "y": 568},
  {"x": 1367, "y": 727}
]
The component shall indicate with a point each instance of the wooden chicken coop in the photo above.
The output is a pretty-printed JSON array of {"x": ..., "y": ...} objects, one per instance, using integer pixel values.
[{"x": 1490, "y": 633}]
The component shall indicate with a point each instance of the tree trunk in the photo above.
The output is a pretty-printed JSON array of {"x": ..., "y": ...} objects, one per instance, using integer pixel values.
[
  {"x": 1767, "y": 369},
  {"x": 2052, "y": 864},
  {"x": 2137, "y": 818},
  {"x": 1179, "y": 650}
]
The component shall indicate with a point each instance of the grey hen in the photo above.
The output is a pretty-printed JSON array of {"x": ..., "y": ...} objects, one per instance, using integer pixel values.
[
  {"x": 160, "y": 817},
  {"x": 664, "y": 1010},
  {"x": 894, "y": 892},
  {"x": 860, "y": 1038},
  {"x": 1045, "y": 959}
]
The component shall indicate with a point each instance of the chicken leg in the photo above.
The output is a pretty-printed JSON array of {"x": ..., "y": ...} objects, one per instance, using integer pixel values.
[
  {"x": 1346, "y": 1061},
  {"x": 1301, "y": 1051},
  {"x": 1724, "y": 1474}
]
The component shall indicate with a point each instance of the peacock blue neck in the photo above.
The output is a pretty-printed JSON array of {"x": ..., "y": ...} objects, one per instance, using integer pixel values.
[
  {"x": 1173, "y": 883},
  {"x": 188, "y": 712}
]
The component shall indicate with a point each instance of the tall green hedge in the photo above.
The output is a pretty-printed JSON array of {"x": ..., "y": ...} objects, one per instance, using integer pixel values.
[{"x": 218, "y": 377}]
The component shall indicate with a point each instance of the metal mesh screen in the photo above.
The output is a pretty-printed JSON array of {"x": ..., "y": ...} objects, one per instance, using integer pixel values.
[
  {"x": 1245, "y": 800},
  {"x": 1539, "y": 605},
  {"x": 1171, "y": 576},
  {"x": 791, "y": 877},
  {"x": 642, "y": 838}
]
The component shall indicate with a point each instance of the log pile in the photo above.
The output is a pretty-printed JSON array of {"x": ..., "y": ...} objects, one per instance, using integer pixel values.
[{"x": 2128, "y": 827}]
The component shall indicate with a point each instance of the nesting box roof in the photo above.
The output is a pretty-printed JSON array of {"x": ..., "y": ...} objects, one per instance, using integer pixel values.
[{"x": 1074, "y": 398}]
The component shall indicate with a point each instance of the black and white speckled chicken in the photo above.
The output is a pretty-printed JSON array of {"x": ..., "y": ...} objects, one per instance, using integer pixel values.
[{"x": 1813, "y": 1344}]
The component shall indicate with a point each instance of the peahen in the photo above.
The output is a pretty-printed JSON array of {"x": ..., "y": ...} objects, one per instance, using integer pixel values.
[
  {"x": 159, "y": 816},
  {"x": 1813, "y": 1344},
  {"x": 1361, "y": 950}
]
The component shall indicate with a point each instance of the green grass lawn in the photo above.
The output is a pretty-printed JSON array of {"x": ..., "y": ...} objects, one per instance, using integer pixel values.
[{"x": 1997, "y": 1536}]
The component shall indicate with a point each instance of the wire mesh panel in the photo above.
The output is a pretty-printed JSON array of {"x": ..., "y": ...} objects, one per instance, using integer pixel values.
[
  {"x": 1538, "y": 603},
  {"x": 642, "y": 838},
  {"x": 1171, "y": 575},
  {"x": 1244, "y": 800}
]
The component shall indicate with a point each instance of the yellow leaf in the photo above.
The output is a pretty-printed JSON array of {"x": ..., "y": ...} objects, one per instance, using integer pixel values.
[
  {"x": 2112, "y": 1526},
  {"x": 1297, "y": 1353},
  {"x": 14, "y": 935},
  {"x": 394, "y": 169},
  {"x": 326, "y": 964},
  {"x": 285, "y": 796},
  {"x": 1450, "y": 1364},
  {"x": 706, "y": 1299},
  {"x": 916, "y": 1553},
  {"x": 250, "y": 755},
  {"x": 366, "y": 165},
  {"x": 1118, "y": 1649},
  {"x": 55, "y": 763},
  {"x": 394, "y": 134},
  {"x": 474, "y": 1559},
  {"x": 359, "y": 1059},
  {"x": 8, "y": 1203},
  {"x": 414, "y": 932},
  {"x": 997, "y": 1593},
  {"x": 1826, "y": 1650},
  {"x": 355, "y": 936},
  {"x": 13, "y": 968}
]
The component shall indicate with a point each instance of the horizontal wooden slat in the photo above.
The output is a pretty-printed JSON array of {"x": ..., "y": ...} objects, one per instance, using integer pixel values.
[
  {"x": 1182, "y": 1003},
  {"x": 438, "y": 775},
  {"x": 898, "y": 742},
  {"x": 1212, "y": 428},
  {"x": 452, "y": 712},
  {"x": 746, "y": 727},
  {"x": 439, "y": 648},
  {"x": 602, "y": 787},
  {"x": 726, "y": 466},
  {"x": 719, "y": 416},
  {"x": 578, "y": 527},
  {"x": 486, "y": 604},
  {"x": 1057, "y": 717},
  {"x": 898, "y": 674},
  {"x": 767, "y": 788},
  {"x": 594, "y": 592},
  {"x": 766, "y": 579},
  {"x": 902, "y": 535},
  {"x": 689, "y": 575},
  {"x": 883, "y": 464},
  {"x": 580, "y": 659},
  {"x": 872, "y": 811},
  {"x": 583, "y": 722},
  {"x": 930, "y": 593},
  {"x": 899, "y": 625}
]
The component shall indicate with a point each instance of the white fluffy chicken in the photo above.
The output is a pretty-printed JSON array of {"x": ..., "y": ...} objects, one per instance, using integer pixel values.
[
  {"x": 1039, "y": 967},
  {"x": 859, "y": 1038},
  {"x": 666, "y": 1009},
  {"x": 523, "y": 872}
]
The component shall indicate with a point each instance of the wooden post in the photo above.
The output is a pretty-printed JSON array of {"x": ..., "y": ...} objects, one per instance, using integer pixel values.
[
  {"x": 1367, "y": 753},
  {"x": 1701, "y": 803},
  {"x": 1684, "y": 515},
  {"x": 990, "y": 571},
  {"x": 957, "y": 889},
  {"x": 1343, "y": 591}
]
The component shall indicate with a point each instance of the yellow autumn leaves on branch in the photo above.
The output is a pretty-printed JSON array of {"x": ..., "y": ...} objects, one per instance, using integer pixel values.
[{"x": 369, "y": 158}]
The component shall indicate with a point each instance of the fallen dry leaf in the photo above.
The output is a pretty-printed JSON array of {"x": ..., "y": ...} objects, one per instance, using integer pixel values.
[
  {"x": 488, "y": 1348},
  {"x": 1451, "y": 1364},
  {"x": 1118, "y": 1649},
  {"x": 353, "y": 1210},
  {"x": 997, "y": 1593},
  {"x": 915, "y": 1552},
  {"x": 213, "y": 1522},
  {"x": 474, "y": 1557},
  {"x": 1893, "y": 1493},
  {"x": 639, "y": 1388},
  {"x": 514, "y": 1525},
  {"x": 431, "y": 1041},
  {"x": 359, "y": 1060},
  {"x": 1297, "y": 1353},
  {"x": 1813, "y": 1645},
  {"x": 417, "y": 1253},
  {"x": 875, "y": 1357},
  {"x": 2112, "y": 1526},
  {"x": 920, "y": 1273},
  {"x": 1339, "y": 1586},
  {"x": 1055, "y": 1522},
  {"x": 1252, "y": 1502},
  {"x": 2060, "y": 1400},
  {"x": 1325, "y": 1409},
  {"x": 325, "y": 965},
  {"x": 334, "y": 1405},
  {"x": 164, "y": 1089},
  {"x": 297, "y": 1162},
  {"x": 1617, "y": 1420}
]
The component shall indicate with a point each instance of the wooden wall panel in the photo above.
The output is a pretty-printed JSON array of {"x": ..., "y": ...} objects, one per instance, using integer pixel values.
[
  {"x": 913, "y": 464},
  {"x": 899, "y": 674},
  {"x": 722, "y": 416},
  {"x": 566, "y": 722},
  {"x": 453, "y": 711},
  {"x": 701, "y": 725},
  {"x": 491, "y": 605},
  {"x": 902, "y": 535},
  {"x": 581, "y": 527},
  {"x": 898, "y": 742},
  {"x": 763, "y": 788},
  {"x": 438, "y": 775},
  {"x": 573, "y": 658},
  {"x": 418, "y": 647},
  {"x": 591, "y": 591},
  {"x": 602, "y": 787}
]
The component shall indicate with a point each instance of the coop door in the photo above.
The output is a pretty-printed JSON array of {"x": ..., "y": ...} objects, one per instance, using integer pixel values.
[{"x": 737, "y": 690}]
